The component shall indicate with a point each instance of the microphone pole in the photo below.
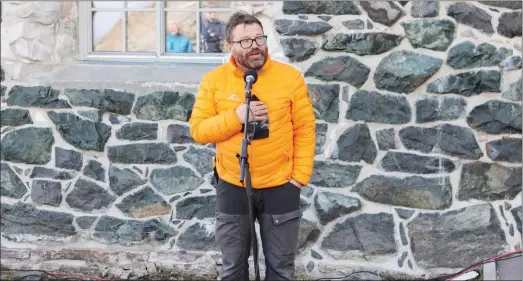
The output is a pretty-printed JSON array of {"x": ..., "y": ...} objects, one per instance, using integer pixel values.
[{"x": 250, "y": 77}]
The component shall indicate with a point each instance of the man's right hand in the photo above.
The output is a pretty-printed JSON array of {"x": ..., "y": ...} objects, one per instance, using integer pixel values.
[{"x": 257, "y": 108}]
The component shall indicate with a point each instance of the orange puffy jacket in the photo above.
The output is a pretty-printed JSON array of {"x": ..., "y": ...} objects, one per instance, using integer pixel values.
[{"x": 288, "y": 152}]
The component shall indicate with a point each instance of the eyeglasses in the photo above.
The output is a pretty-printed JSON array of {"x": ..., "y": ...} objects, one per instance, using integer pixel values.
[{"x": 247, "y": 43}]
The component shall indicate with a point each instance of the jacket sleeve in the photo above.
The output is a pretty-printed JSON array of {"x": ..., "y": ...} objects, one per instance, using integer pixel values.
[
  {"x": 304, "y": 126},
  {"x": 206, "y": 125}
]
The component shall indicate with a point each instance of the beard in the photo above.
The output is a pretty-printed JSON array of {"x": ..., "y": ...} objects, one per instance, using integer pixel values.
[{"x": 253, "y": 62}]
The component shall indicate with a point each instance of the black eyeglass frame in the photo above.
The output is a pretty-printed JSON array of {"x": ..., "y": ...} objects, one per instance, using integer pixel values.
[{"x": 246, "y": 41}]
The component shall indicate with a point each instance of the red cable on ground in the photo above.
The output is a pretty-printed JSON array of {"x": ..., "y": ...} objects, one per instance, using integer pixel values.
[{"x": 485, "y": 261}]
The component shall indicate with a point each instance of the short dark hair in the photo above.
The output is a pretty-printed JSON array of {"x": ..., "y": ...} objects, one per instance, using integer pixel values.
[{"x": 237, "y": 19}]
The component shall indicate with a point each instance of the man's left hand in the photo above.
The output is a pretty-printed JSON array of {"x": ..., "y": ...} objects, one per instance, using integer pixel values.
[{"x": 295, "y": 183}]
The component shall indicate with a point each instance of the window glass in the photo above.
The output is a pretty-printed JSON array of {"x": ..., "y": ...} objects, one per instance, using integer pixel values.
[
  {"x": 107, "y": 31},
  {"x": 212, "y": 31},
  {"x": 141, "y": 31}
]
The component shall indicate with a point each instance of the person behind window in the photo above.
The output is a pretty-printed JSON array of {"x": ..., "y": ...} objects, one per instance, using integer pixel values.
[
  {"x": 176, "y": 42},
  {"x": 212, "y": 33}
]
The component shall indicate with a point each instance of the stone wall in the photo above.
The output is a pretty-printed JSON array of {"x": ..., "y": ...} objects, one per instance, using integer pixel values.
[{"x": 418, "y": 166}]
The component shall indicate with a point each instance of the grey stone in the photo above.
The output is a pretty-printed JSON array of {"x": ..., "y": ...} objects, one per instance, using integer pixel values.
[
  {"x": 471, "y": 15},
  {"x": 401, "y": 260},
  {"x": 177, "y": 179},
  {"x": 35, "y": 96},
  {"x": 329, "y": 205},
  {"x": 403, "y": 237},
  {"x": 331, "y": 174},
  {"x": 356, "y": 24},
  {"x": 199, "y": 236},
  {"x": 106, "y": 100},
  {"x": 325, "y": 18},
  {"x": 310, "y": 266},
  {"x": 404, "y": 213},
  {"x": 356, "y": 144},
  {"x": 3, "y": 89},
  {"x": 138, "y": 131},
  {"x": 514, "y": 5},
  {"x": 316, "y": 255},
  {"x": 178, "y": 133},
  {"x": 321, "y": 137},
  {"x": 11, "y": 185},
  {"x": 433, "y": 193},
  {"x": 298, "y": 49},
  {"x": 304, "y": 204},
  {"x": 142, "y": 153},
  {"x": 424, "y": 9},
  {"x": 511, "y": 63},
  {"x": 46, "y": 173},
  {"x": 303, "y": 17},
  {"x": 300, "y": 27},
  {"x": 404, "y": 71},
  {"x": 404, "y": 162},
  {"x": 511, "y": 230},
  {"x": 496, "y": 117},
  {"x": 369, "y": 43},
  {"x": 22, "y": 218},
  {"x": 46, "y": 192},
  {"x": 510, "y": 24},
  {"x": 371, "y": 106},
  {"x": 325, "y": 101},
  {"x": 68, "y": 159},
  {"x": 144, "y": 203},
  {"x": 320, "y": 7},
  {"x": 199, "y": 207},
  {"x": 124, "y": 180},
  {"x": 386, "y": 13},
  {"x": 434, "y": 35},
  {"x": 164, "y": 106},
  {"x": 85, "y": 222},
  {"x": 29, "y": 145},
  {"x": 466, "y": 55},
  {"x": 15, "y": 117},
  {"x": 200, "y": 159},
  {"x": 489, "y": 182},
  {"x": 506, "y": 149},
  {"x": 118, "y": 119},
  {"x": 448, "y": 139},
  {"x": 514, "y": 91},
  {"x": 456, "y": 239},
  {"x": 87, "y": 196},
  {"x": 371, "y": 234},
  {"x": 94, "y": 170},
  {"x": 341, "y": 68},
  {"x": 130, "y": 232},
  {"x": 386, "y": 139},
  {"x": 81, "y": 133},
  {"x": 516, "y": 213},
  {"x": 93, "y": 115},
  {"x": 430, "y": 109}
]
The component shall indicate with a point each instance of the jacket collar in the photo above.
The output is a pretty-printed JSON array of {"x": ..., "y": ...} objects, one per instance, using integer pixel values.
[{"x": 237, "y": 71}]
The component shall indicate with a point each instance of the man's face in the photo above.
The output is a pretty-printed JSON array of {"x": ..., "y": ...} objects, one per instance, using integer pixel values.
[
  {"x": 174, "y": 29},
  {"x": 250, "y": 58}
]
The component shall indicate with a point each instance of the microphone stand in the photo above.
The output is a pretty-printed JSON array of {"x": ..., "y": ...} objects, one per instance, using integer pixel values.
[{"x": 245, "y": 178}]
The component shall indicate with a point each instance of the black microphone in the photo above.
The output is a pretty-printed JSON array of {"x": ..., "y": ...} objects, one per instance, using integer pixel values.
[{"x": 250, "y": 77}]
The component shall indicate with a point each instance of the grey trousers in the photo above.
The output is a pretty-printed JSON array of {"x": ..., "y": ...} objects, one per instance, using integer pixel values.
[{"x": 278, "y": 212}]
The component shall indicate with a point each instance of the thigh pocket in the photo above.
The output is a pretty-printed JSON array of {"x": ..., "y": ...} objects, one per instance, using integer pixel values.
[
  {"x": 231, "y": 232},
  {"x": 283, "y": 232}
]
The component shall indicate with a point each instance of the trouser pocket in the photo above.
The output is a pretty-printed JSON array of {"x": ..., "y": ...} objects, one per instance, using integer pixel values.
[{"x": 282, "y": 232}]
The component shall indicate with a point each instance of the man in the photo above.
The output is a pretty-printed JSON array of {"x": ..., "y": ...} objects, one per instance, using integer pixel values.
[{"x": 281, "y": 160}]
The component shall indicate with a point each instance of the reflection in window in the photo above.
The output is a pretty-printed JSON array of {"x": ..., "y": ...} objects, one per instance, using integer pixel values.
[
  {"x": 181, "y": 35},
  {"x": 212, "y": 31}
]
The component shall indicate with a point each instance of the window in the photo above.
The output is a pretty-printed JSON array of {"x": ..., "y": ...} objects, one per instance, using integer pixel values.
[{"x": 185, "y": 31}]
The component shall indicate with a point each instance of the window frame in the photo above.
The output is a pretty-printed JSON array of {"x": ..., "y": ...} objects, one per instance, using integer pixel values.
[{"x": 85, "y": 33}]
